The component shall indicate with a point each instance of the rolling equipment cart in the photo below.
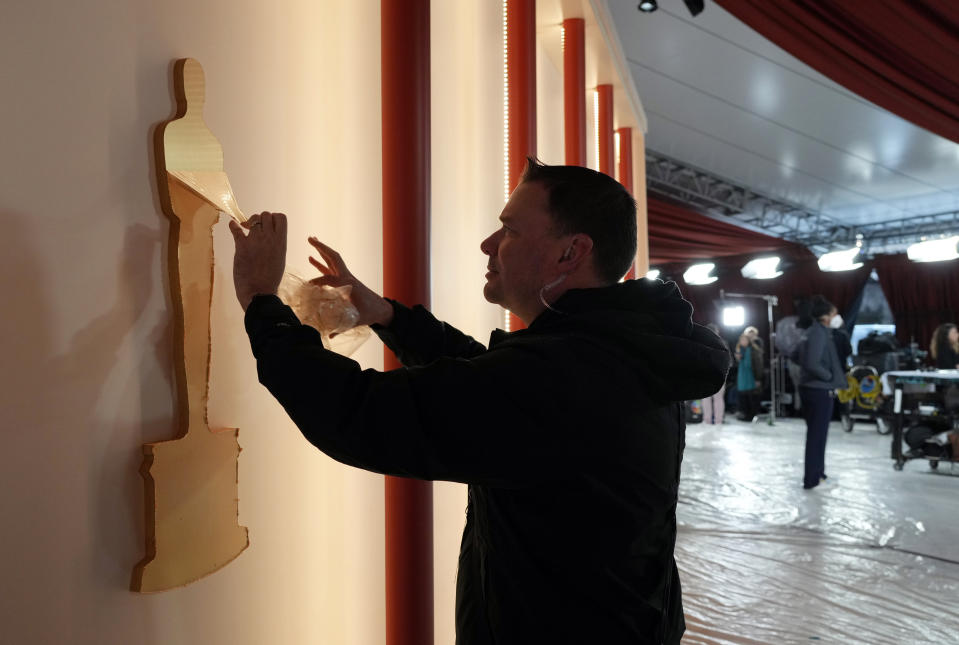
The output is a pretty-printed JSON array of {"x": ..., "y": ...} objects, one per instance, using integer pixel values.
[{"x": 923, "y": 396}]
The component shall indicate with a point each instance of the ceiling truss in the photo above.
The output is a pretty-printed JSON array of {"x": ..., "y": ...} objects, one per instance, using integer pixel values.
[{"x": 716, "y": 196}]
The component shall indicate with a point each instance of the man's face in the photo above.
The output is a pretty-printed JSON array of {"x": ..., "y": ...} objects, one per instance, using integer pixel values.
[{"x": 524, "y": 253}]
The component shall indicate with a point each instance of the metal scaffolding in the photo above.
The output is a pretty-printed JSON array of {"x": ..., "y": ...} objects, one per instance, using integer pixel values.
[{"x": 727, "y": 200}]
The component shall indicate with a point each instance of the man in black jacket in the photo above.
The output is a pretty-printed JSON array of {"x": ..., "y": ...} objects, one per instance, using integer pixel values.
[{"x": 570, "y": 433}]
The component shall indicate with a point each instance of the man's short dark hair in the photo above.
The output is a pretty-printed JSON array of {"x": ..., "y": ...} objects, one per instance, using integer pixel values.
[{"x": 585, "y": 201}]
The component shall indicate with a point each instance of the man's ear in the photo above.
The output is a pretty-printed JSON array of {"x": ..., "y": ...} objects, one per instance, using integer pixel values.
[{"x": 580, "y": 246}]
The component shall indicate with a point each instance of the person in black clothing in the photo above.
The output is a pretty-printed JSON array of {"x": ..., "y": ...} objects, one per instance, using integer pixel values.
[
  {"x": 821, "y": 375},
  {"x": 569, "y": 433},
  {"x": 944, "y": 347}
]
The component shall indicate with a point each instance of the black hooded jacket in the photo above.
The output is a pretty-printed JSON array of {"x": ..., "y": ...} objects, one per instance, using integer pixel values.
[{"x": 570, "y": 434}]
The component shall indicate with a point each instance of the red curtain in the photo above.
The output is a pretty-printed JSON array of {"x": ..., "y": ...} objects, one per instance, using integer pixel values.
[
  {"x": 901, "y": 55},
  {"x": 677, "y": 234},
  {"x": 922, "y": 295}
]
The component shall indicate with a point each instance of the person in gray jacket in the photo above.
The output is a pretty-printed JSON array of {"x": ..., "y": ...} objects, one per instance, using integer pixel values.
[{"x": 821, "y": 374}]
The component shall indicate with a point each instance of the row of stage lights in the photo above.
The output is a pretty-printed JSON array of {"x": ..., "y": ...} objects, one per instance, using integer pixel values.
[{"x": 768, "y": 267}]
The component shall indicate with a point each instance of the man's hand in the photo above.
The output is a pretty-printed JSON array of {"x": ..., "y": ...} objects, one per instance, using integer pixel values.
[
  {"x": 260, "y": 257},
  {"x": 372, "y": 307}
]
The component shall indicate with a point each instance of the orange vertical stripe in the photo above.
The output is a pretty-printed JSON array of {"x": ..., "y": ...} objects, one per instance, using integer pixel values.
[
  {"x": 574, "y": 90},
  {"x": 521, "y": 92},
  {"x": 624, "y": 173},
  {"x": 607, "y": 157}
]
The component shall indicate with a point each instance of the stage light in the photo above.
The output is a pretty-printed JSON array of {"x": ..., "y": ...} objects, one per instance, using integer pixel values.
[
  {"x": 699, "y": 274},
  {"x": 695, "y": 6},
  {"x": 648, "y": 6},
  {"x": 652, "y": 274},
  {"x": 934, "y": 250},
  {"x": 762, "y": 268},
  {"x": 734, "y": 316},
  {"x": 840, "y": 260}
]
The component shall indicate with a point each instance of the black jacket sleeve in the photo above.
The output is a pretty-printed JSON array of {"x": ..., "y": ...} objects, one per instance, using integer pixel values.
[
  {"x": 418, "y": 338},
  {"x": 473, "y": 421}
]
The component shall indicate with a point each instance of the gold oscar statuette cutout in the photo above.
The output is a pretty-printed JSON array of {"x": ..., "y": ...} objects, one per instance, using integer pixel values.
[{"x": 192, "y": 525}]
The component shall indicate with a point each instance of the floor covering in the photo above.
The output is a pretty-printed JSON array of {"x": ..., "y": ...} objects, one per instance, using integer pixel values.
[{"x": 870, "y": 556}]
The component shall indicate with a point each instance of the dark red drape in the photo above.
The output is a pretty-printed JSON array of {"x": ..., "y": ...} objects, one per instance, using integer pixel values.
[
  {"x": 901, "y": 55},
  {"x": 922, "y": 295},
  {"x": 677, "y": 234}
]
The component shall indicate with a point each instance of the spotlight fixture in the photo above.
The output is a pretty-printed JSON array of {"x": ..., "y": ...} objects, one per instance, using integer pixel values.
[
  {"x": 734, "y": 316},
  {"x": 762, "y": 268},
  {"x": 699, "y": 274},
  {"x": 934, "y": 250},
  {"x": 694, "y": 6},
  {"x": 840, "y": 260},
  {"x": 652, "y": 274}
]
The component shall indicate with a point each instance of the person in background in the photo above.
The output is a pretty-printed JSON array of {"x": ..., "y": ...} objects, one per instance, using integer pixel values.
[
  {"x": 749, "y": 376},
  {"x": 788, "y": 335},
  {"x": 714, "y": 406},
  {"x": 821, "y": 374},
  {"x": 754, "y": 336},
  {"x": 944, "y": 347}
]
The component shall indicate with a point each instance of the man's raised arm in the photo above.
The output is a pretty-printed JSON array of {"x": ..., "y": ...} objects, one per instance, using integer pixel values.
[{"x": 414, "y": 334}]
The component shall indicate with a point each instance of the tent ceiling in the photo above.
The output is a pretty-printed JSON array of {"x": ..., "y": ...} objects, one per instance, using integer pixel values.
[{"x": 731, "y": 105}]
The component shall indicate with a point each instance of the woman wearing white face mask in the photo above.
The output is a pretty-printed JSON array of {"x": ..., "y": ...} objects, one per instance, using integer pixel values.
[{"x": 821, "y": 375}]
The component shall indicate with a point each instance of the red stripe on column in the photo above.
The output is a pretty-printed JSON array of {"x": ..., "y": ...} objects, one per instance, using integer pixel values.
[
  {"x": 574, "y": 90},
  {"x": 624, "y": 173},
  {"x": 607, "y": 157},
  {"x": 521, "y": 84},
  {"x": 521, "y": 93},
  {"x": 405, "y": 63}
]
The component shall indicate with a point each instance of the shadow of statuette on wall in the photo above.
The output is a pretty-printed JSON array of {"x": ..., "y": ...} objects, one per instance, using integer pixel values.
[{"x": 191, "y": 490}]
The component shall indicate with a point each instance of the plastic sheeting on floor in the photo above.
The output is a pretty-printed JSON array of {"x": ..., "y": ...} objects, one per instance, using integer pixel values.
[{"x": 872, "y": 556}]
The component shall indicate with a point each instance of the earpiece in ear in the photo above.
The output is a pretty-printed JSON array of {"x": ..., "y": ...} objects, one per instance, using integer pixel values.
[
  {"x": 554, "y": 283},
  {"x": 568, "y": 252}
]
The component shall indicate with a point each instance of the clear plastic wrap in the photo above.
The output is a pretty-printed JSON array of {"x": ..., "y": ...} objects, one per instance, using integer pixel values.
[
  {"x": 872, "y": 556},
  {"x": 326, "y": 309}
]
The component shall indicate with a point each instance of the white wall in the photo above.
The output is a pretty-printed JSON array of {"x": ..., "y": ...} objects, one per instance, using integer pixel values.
[
  {"x": 550, "y": 133},
  {"x": 293, "y": 94}
]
